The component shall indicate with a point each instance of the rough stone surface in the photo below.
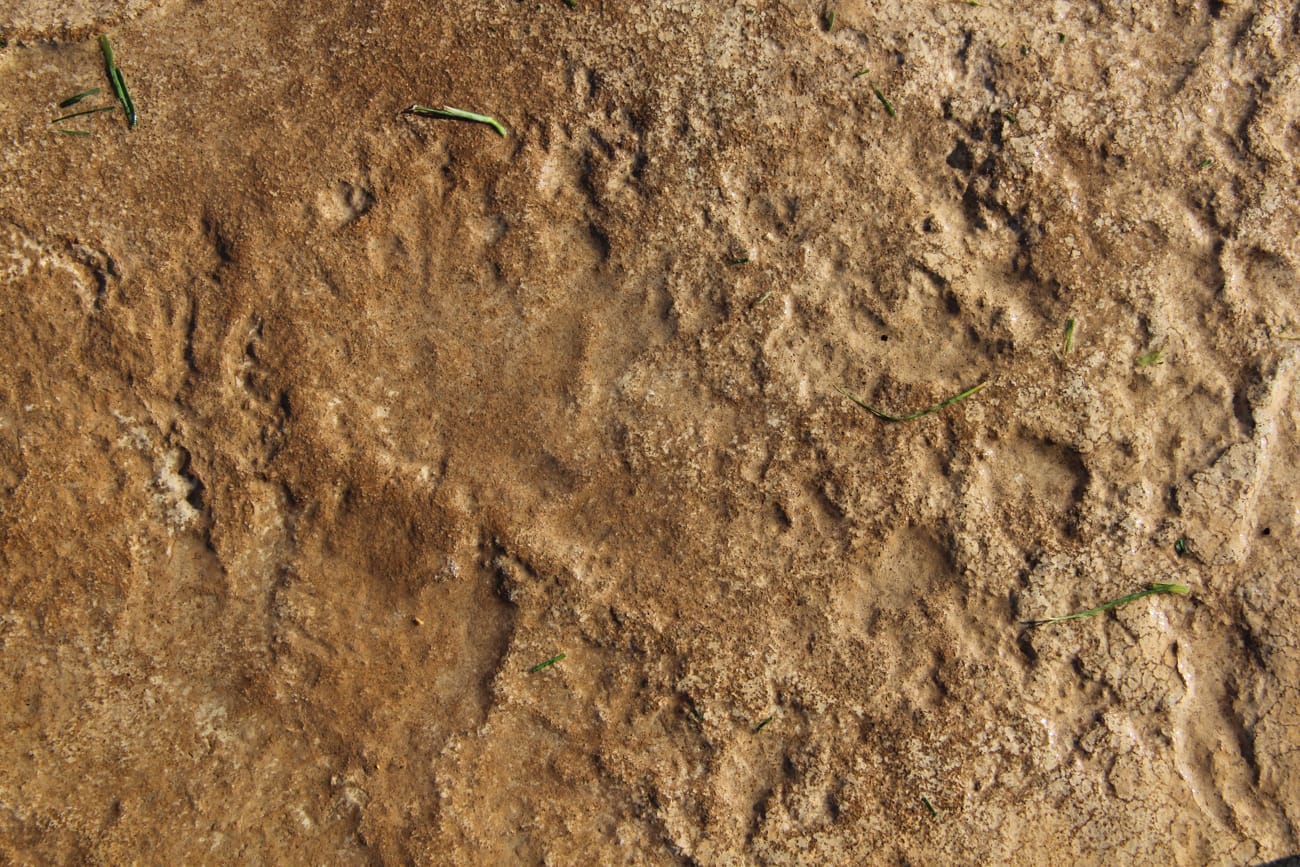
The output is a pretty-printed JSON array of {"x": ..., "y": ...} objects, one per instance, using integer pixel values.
[{"x": 322, "y": 424}]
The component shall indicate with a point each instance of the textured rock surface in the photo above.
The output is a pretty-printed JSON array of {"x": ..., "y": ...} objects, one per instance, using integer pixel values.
[{"x": 321, "y": 425}]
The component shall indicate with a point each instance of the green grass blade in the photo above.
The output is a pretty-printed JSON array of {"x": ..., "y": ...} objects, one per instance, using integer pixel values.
[
  {"x": 83, "y": 113},
  {"x": 884, "y": 100},
  {"x": 127, "y": 102},
  {"x": 887, "y": 417},
  {"x": 107, "y": 48},
  {"x": 119, "y": 83},
  {"x": 76, "y": 98},
  {"x": 758, "y": 728},
  {"x": 1069, "y": 336},
  {"x": 1179, "y": 589},
  {"x": 547, "y": 664},
  {"x": 449, "y": 113},
  {"x": 73, "y": 131},
  {"x": 929, "y": 806}
]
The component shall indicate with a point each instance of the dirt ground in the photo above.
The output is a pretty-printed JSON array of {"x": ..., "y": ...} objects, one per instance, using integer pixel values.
[{"x": 323, "y": 425}]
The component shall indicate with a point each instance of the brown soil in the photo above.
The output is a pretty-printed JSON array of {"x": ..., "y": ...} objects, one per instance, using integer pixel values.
[{"x": 322, "y": 424}]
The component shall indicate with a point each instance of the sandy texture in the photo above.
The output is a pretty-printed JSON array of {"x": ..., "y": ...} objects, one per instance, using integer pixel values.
[{"x": 322, "y": 424}]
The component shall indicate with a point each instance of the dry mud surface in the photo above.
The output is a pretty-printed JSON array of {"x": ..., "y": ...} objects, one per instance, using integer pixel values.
[{"x": 322, "y": 425}]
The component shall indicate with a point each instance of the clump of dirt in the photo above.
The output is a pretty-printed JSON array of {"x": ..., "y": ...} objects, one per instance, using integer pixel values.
[{"x": 323, "y": 425}]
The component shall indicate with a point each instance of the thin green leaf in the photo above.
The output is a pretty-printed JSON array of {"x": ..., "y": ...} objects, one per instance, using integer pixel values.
[
  {"x": 449, "y": 113},
  {"x": 73, "y": 131},
  {"x": 547, "y": 664},
  {"x": 76, "y": 98},
  {"x": 887, "y": 417},
  {"x": 1069, "y": 336},
  {"x": 884, "y": 100},
  {"x": 929, "y": 806},
  {"x": 1179, "y": 589},
  {"x": 119, "y": 83},
  {"x": 127, "y": 102},
  {"x": 766, "y": 295},
  {"x": 758, "y": 728},
  {"x": 83, "y": 113}
]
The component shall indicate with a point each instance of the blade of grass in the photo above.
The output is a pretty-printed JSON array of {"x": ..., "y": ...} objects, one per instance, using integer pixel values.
[
  {"x": 1179, "y": 589},
  {"x": 758, "y": 728},
  {"x": 740, "y": 260},
  {"x": 1205, "y": 163},
  {"x": 76, "y": 98},
  {"x": 929, "y": 806},
  {"x": 887, "y": 417},
  {"x": 449, "y": 113},
  {"x": 547, "y": 664},
  {"x": 127, "y": 102},
  {"x": 1069, "y": 336},
  {"x": 884, "y": 100},
  {"x": 766, "y": 295},
  {"x": 828, "y": 20},
  {"x": 73, "y": 131},
  {"x": 119, "y": 83},
  {"x": 83, "y": 113}
]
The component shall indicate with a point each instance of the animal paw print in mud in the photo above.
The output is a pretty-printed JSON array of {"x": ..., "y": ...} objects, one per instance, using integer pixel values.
[{"x": 609, "y": 147}]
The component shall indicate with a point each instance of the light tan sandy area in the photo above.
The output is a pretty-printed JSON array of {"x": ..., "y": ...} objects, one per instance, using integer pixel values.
[{"x": 321, "y": 425}]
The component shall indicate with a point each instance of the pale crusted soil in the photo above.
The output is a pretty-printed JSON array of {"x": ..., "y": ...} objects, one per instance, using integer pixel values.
[{"x": 322, "y": 424}]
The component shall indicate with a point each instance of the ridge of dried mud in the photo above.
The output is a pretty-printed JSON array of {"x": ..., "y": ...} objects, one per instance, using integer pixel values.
[{"x": 321, "y": 425}]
